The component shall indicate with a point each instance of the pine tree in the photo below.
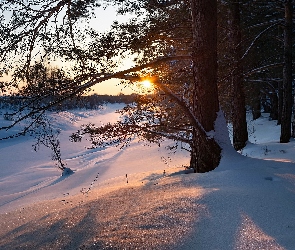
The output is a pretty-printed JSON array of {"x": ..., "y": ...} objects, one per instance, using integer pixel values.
[
  {"x": 174, "y": 49},
  {"x": 287, "y": 74},
  {"x": 238, "y": 110}
]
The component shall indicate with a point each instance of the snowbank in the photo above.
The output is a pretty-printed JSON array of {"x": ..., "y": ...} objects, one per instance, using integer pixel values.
[{"x": 143, "y": 198}]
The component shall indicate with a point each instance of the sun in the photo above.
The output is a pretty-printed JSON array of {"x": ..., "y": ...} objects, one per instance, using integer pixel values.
[{"x": 147, "y": 84}]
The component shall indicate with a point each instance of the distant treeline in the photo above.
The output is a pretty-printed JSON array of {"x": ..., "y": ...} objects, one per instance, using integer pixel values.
[{"x": 79, "y": 102}]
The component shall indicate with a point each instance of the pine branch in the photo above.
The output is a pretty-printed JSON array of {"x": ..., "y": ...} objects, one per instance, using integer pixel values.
[
  {"x": 257, "y": 70},
  {"x": 257, "y": 37}
]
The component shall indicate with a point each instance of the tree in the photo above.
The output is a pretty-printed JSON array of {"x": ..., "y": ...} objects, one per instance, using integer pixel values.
[
  {"x": 262, "y": 59},
  {"x": 31, "y": 26},
  {"x": 238, "y": 109},
  {"x": 167, "y": 111},
  {"x": 287, "y": 74},
  {"x": 205, "y": 105}
]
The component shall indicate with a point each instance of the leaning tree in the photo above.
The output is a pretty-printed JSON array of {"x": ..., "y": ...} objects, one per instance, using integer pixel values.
[
  {"x": 184, "y": 75},
  {"x": 180, "y": 85}
]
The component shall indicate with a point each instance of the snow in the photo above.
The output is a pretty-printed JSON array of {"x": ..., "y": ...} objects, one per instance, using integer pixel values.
[{"x": 142, "y": 197}]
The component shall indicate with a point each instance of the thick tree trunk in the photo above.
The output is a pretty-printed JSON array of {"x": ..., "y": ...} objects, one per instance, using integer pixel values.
[
  {"x": 240, "y": 132},
  {"x": 287, "y": 75},
  {"x": 206, "y": 151}
]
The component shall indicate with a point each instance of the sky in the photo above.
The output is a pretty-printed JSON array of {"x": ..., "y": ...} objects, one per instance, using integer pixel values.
[
  {"x": 102, "y": 22},
  {"x": 112, "y": 87}
]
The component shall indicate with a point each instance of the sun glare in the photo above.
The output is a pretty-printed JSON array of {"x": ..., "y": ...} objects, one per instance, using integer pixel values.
[{"x": 147, "y": 84}]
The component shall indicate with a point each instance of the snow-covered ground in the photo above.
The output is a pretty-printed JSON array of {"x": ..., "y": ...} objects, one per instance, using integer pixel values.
[{"x": 141, "y": 197}]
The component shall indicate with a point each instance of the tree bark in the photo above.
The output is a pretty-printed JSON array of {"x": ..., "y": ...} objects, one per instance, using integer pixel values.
[
  {"x": 206, "y": 151},
  {"x": 274, "y": 101},
  {"x": 280, "y": 103},
  {"x": 287, "y": 75},
  {"x": 256, "y": 103},
  {"x": 238, "y": 106}
]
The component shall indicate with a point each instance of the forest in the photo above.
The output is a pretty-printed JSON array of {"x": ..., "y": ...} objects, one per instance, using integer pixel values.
[
  {"x": 94, "y": 101},
  {"x": 200, "y": 156}
]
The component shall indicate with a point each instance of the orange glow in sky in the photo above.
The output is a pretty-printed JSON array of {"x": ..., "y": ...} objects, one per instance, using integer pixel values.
[{"x": 146, "y": 83}]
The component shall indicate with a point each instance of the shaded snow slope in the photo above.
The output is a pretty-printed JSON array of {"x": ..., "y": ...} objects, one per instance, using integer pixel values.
[
  {"x": 28, "y": 176},
  {"x": 250, "y": 206}
]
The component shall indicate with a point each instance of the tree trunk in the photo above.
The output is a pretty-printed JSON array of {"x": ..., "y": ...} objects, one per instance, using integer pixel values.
[
  {"x": 280, "y": 103},
  {"x": 256, "y": 103},
  {"x": 205, "y": 153},
  {"x": 205, "y": 104},
  {"x": 293, "y": 118},
  {"x": 287, "y": 75},
  {"x": 274, "y": 106},
  {"x": 238, "y": 107}
]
